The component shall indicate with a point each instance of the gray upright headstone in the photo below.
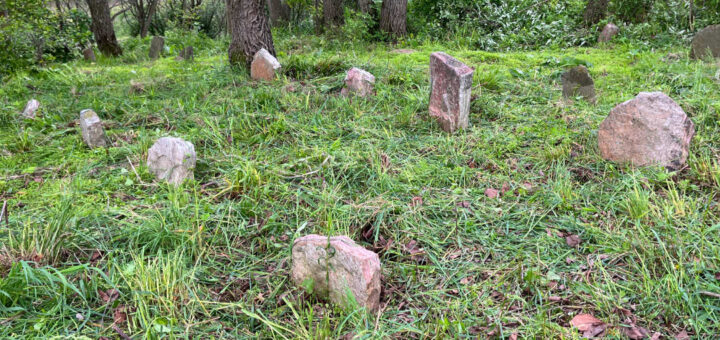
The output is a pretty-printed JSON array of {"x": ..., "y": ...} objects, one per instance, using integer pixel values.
[{"x": 156, "y": 46}]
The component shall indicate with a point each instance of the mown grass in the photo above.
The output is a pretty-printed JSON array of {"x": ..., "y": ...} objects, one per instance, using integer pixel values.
[{"x": 95, "y": 246}]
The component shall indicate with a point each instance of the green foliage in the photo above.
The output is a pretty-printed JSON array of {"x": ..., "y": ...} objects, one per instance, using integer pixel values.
[{"x": 31, "y": 34}]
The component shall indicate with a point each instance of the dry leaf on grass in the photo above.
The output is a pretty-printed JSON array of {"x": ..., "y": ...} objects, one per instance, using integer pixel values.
[
  {"x": 573, "y": 240},
  {"x": 491, "y": 193},
  {"x": 682, "y": 336},
  {"x": 589, "y": 325}
]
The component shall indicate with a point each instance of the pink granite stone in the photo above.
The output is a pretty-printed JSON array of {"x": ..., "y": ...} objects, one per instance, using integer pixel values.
[{"x": 450, "y": 84}]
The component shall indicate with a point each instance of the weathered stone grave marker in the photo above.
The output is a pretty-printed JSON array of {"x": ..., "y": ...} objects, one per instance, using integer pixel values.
[
  {"x": 359, "y": 82},
  {"x": 172, "y": 159},
  {"x": 92, "y": 129},
  {"x": 450, "y": 85},
  {"x": 264, "y": 66},
  {"x": 577, "y": 81}
]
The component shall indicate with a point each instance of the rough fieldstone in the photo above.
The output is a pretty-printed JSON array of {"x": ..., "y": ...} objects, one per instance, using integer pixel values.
[
  {"x": 186, "y": 53},
  {"x": 156, "y": 46},
  {"x": 608, "y": 32},
  {"x": 359, "y": 82},
  {"x": 346, "y": 269},
  {"x": 577, "y": 81},
  {"x": 172, "y": 159},
  {"x": 706, "y": 42},
  {"x": 89, "y": 54},
  {"x": 31, "y": 109},
  {"x": 264, "y": 66},
  {"x": 650, "y": 129},
  {"x": 92, "y": 129},
  {"x": 450, "y": 84}
]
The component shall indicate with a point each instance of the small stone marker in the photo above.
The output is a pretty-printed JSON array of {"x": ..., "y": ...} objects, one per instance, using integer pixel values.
[
  {"x": 706, "y": 42},
  {"x": 608, "y": 32},
  {"x": 346, "y": 269},
  {"x": 186, "y": 53},
  {"x": 92, "y": 129},
  {"x": 172, "y": 159},
  {"x": 650, "y": 129},
  {"x": 450, "y": 84},
  {"x": 264, "y": 66},
  {"x": 359, "y": 82},
  {"x": 156, "y": 46},
  {"x": 31, "y": 109},
  {"x": 577, "y": 81},
  {"x": 89, "y": 54}
]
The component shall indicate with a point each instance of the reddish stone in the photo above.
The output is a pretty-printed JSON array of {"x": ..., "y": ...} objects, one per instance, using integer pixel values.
[
  {"x": 359, "y": 82},
  {"x": 450, "y": 84},
  {"x": 264, "y": 66},
  {"x": 338, "y": 268},
  {"x": 650, "y": 129},
  {"x": 608, "y": 32}
]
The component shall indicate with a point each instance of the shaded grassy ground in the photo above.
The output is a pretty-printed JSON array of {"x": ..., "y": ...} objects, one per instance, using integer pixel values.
[{"x": 95, "y": 247}]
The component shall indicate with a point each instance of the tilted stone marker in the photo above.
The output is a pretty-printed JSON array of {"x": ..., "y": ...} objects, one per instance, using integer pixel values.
[
  {"x": 31, "y": 109},
  {"x": 338, "y": 268},
  {"x": 264, "y": 66},
  {"x": 608, "y": 32},
  {"x": 650, "y": 129},
  {"x": 89, "y": 54},
  {"x": 450, "y": 84},
  {"x": 706, "y": 42},
  {"x": 172, "y": 159},
  {"x": 359, "y": 82},
  {"x": 156, "y": 46},
  {"x": 92, "y": 129},
  {"x": 577, "y": 81}
]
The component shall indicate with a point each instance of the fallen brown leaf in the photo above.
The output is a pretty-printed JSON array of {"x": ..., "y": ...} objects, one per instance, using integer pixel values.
[
  {"x": 416, "y": 201},
  {"x": 573, "y": 240},
  {"x": 635, "y": 333},
  {"x": 589, "y": 325},
  {"x": 491, "y": 193},
  {"x": 682, "y": 336},
  {"x": 110, "y": 295}
]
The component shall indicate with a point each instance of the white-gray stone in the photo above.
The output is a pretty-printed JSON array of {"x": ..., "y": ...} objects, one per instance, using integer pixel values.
[
  {"x": 264, "y": 66},
  {"x": 172, "y": 159},
  {"x": 31, "y": 109},
  {"x": 92, "y": 129}
]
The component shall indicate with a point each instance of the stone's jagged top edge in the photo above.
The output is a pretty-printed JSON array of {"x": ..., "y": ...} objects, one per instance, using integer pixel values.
[
  {"x": 460, "y": 67},
  {"x": 341, "y": 238}
]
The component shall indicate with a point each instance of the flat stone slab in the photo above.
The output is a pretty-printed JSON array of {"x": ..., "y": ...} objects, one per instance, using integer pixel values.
[
  {"x": 31, "y": 109},
  {"x": 172, "y": 159},
  {"x": 337, "y": 268},
  {"x": 650, "y": 129},
  {"x": 92, "y": 129},
  {"x": 359, "y": 82},
  {"x": 577, "y": 81},
  {"x": 450, "y": 85},
  {"x": 264, "y": 66},
  {"x": 706, "y": 43},
  {"x": 608, "y": 32},
  {"x": 156, "y": 46}
]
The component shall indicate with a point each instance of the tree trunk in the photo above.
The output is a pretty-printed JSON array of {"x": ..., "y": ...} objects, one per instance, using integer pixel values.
[
  {"x": 333, "y": 13},
  {"x": 102, "y": 27},
  {"x": 595, "y": 10},
  {"x": 393, "y": 17},
  {"x": 364, "y": 6},
  {"x": 279, "y": 11},
  {"x": 249, "y": 30}
]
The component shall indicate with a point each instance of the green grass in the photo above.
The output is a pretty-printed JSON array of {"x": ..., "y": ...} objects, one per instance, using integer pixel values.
[{"x": 278, "y": 161}]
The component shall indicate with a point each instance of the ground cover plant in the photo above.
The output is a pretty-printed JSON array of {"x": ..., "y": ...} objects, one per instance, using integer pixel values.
[{"x": 510, "y": 228}]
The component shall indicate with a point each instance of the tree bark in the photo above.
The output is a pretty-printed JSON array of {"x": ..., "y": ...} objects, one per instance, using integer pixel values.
[
  {"x": 279, "y": 11},
  {"x": 102, "y": 27},
  {"x": 393, "y": 17},
  {"x": 333, "y": 13},
  {"x": 595, "y": 10},
  {"x": 364, "y": 6},
  {"x": 249, "y": 30},
  {"x": 143, "y": 11}
]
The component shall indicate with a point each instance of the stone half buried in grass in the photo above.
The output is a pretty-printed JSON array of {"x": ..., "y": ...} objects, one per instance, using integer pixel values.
[
  {"x": 650, "y": 129},
  {"x": 172, "y": 159},
  {"x": 337, "y": 268},
  {"x": 156, "y": 47},
  {"x": 577, "y": 81},
  {"x": 706, "y": 43},
  {"x": 264, "y": 66},
  {"x": 359, "y": 82},
  {"x": 450, "y": 84},
  {"x": 31, "y": 109},
  {"x": 92, "y": 129}
]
